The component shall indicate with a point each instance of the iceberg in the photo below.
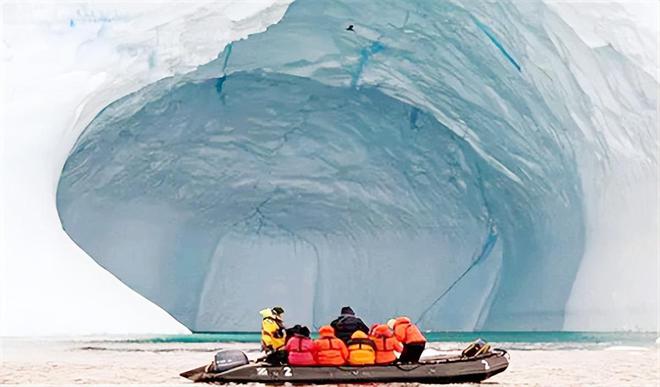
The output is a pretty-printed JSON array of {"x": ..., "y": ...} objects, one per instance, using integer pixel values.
[{"x": 473, "y": 165}]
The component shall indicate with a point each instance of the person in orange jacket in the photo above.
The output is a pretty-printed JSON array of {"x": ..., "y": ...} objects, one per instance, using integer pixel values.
[
  {"x": 330, "y": 350},
  {"x": 385, "y": 343},
  {"x": 361, "y": 350},
  {"x": 409, "y": 335}
]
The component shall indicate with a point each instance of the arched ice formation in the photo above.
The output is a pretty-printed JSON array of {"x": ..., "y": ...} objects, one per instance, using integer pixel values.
[{"x": 437, "y": 162}]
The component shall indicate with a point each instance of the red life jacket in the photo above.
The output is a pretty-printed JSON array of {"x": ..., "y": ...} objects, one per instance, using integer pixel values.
[{"x": 302, "y": 351}]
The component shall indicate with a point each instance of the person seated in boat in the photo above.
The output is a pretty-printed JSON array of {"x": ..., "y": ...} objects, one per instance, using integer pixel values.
[
  {"x": 290, "y": 332},
  {"x": 273, "y": 336},
  {"x": 410, "y": 336},
  {"x": 385, "y": 343},
  {"x": 347, "y": 323},
  {"x": 361, "y": 350},
  {"x": 301, "y": 348},
  {"x": 330, "y": 350}
]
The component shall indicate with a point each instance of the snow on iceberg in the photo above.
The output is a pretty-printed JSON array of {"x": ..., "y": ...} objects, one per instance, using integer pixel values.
[
  {"x": 442, "y": 160},
  {"x": 49, "y": 285}
]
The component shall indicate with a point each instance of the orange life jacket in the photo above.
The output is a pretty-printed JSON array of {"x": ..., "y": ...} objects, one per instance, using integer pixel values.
[
  {"x": 361, "y": 350},
  {"x": 407, "y": 332},
  {"x": 386, "y": 344},
  {"x": 330, "y": 349}
]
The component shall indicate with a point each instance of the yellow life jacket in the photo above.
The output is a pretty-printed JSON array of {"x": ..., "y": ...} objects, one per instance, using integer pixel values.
[
  {"x": 273, "y": 336},
  {"x": 361, "y": 350}
]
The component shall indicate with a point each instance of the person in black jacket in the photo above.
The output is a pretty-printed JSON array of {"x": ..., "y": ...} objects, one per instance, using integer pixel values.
[{"x": 347, "y": 323}]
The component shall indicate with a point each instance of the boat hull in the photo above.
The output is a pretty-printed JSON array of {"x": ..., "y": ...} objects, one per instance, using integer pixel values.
[{"x": 441, "y": 371}]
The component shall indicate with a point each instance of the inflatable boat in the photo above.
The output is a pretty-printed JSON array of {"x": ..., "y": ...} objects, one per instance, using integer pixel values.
[{"x": 233, "y": 367}]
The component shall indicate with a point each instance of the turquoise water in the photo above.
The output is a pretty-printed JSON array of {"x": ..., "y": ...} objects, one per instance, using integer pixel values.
[{"x": 585, "y": 338}]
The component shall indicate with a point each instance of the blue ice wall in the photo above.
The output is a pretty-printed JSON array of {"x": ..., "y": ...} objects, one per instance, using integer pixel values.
[{"x": 407, "y": 167}]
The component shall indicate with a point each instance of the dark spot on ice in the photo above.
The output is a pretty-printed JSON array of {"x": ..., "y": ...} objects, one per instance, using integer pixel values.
[
  {"x": 414, "y": 113},
  {"x": 219, "y": 83}
]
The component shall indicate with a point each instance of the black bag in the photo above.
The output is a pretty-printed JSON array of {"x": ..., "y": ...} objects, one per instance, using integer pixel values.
[
  {"x": 277, "y": 358},
  {"x": 476, "y": 348}
]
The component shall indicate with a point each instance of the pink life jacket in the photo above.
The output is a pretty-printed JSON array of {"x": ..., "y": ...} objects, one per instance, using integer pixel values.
[{"x": 302, "y": 351}]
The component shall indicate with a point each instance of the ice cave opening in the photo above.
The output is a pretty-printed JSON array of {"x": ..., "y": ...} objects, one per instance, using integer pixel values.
[{"x": 451, "y": 171}]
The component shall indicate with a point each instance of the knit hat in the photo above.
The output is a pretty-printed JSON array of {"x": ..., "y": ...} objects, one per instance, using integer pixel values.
[{"x": 347, "y": 310}]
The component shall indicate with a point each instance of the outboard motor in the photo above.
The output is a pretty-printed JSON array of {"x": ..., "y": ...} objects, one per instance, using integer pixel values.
[{"x": 228, "y": 359}]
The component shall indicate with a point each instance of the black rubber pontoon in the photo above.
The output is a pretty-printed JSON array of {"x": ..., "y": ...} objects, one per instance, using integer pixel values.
[{"x": 435, "y": 370}]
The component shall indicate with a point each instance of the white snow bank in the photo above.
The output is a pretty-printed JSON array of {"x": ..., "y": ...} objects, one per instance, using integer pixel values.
[
  {"x": 62, "y": 63},
  {"x": 631, "y": 27}
]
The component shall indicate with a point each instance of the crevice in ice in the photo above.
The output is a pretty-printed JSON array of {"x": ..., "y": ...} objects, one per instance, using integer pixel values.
[
  {"x": 486, "y": 248},
  {"x": 488, "y": 302},
  {"x": 221, "y": 80},
  {"x": 218, "y": 84},
  {"x": 491, "y": 35},
  {"x": 263, "y": 221},
  {"x": 261, "y": 218},
  {"x": 485, "y": 251},
  {"x": 365, "y": 54},
  {"x": 414, "y": 113},
  {"x": 227, "y": 55}
]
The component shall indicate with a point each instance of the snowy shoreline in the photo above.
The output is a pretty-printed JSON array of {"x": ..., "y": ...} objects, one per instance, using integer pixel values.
[{"x": 65, "y": 363}]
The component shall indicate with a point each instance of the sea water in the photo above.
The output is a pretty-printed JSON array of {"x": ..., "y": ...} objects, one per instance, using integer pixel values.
[{"x": 537, "y": 358}]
